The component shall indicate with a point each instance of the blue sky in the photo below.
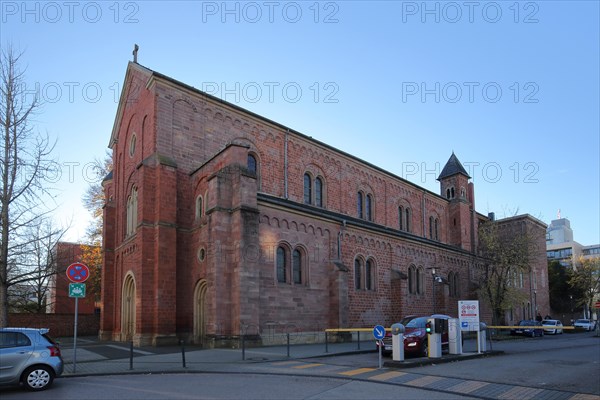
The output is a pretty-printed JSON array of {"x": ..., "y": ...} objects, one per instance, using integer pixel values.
[{"x": 511, "y": 87}]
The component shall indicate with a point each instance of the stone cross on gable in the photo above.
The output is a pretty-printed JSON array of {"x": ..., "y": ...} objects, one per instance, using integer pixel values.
[{"x": 135, "y": 51}]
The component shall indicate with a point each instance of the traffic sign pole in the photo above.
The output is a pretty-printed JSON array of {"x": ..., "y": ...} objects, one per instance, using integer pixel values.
[
  {"x": 75, "y": 336},
  {"x": 77, "y": 273},
  {"x": 379, "y": 334}
]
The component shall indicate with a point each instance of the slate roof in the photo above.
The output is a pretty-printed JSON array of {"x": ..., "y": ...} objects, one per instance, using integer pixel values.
[{"x": 452, "y": 167}]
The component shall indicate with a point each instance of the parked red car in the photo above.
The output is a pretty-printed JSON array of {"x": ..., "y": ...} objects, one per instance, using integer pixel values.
[{"x": 415, "y": 337}]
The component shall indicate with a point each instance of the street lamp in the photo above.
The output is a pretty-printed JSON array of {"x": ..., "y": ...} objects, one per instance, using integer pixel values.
[{"x": 433, "y": 287}]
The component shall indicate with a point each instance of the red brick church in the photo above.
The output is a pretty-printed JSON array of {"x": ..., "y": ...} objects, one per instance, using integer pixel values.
[{"x": 220, "y": 222}]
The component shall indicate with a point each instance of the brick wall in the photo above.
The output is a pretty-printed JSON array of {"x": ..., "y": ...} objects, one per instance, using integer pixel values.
[{"x": 60, "y": 325}]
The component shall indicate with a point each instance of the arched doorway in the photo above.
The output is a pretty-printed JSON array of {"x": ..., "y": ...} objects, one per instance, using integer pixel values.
[
  {"x": 200, "y": 312},
  {"x": 128, "y": 309}
]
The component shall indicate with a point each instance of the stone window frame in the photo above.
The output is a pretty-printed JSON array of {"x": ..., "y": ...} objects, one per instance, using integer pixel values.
[
  {"x": 199, "y": 210},
  {"x": 281, "y": 264},
  {"x": 404, "y": 217},
  {"x": 252, "y": 155},
  {"x": 132, "y": 145},
  {"x": 285, "y": 265},
  {"x": 301, "y": 268},
  {"x": 365, "y": 205},
  {"x": 453, "y": 284},
  {"x": 313, "y": 189},
  {"x": 416, "y": 284},
  {"x": 365, "y": 273},
  {"x": 434, "y": 228}
]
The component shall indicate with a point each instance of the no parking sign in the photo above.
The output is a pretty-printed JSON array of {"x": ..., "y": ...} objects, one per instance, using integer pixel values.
[{"x": 78, "y": 272}]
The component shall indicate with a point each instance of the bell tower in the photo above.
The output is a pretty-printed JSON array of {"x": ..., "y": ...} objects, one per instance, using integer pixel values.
[{"x": 456, "y": 188}]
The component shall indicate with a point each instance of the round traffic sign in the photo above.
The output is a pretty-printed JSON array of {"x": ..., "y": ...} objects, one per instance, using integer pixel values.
[
  {"x": 378, "y": 332},
  {"x": 78, "y": 272}
]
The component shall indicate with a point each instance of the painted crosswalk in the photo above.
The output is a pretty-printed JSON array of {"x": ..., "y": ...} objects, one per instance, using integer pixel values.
[{"x": 480, "y": 389}]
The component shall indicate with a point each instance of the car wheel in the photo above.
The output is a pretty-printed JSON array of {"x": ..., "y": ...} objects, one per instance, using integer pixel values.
[
  {"x": 424, "y": 349},
  {"x": 38, "y": 377}
]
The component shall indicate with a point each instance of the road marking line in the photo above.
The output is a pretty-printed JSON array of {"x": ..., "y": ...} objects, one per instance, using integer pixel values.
[
  {"x": 520, "y": 392},
  {"x": 467, "y": 386},
  {"x": 387, "y": 376},
  {"x": 286, "y": 363},
  {"x": 357, "y": 371},
  {"x": 307, "y": 366},
  {"x": 584, "y": 396},
  {"x": 424, "y": 381}
]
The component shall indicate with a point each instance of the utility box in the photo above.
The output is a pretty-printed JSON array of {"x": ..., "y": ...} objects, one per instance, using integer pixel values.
[
  {"x": 454, "y": 336},
  {"x": 398, "y": 342},
  {"x": 434, "y": 339}
]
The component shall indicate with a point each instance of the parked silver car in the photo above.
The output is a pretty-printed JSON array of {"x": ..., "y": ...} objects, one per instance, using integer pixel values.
[{"x": 29, "y": 356}]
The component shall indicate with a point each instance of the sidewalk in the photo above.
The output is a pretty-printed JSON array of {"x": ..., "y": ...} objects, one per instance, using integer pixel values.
[{"x": 171, "y": 359}]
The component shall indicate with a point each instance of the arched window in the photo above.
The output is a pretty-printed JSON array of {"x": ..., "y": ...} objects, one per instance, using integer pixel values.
[
  {"x": 369, "y": 275},
  {"x": 297, "y": 266},
  {"x": 420, "y": 276},
  {"x": 357, "y": 274},
  {"x": 436, "y": 235},
  {"x": 359, "y": 204},
  {"x": 412, "y": 279},
  {"x": 131, "y": 220},
  {"x": 281, "y": 264},
  {"x": 132, "y": 145},
  {"x": 307, "y": 189},
  {"x": 252, "y": 163},
  {"x": 400, "y": 217},
  {"x": 368, "y": 208},
  {"x": 456, "y": 285},
  {"x": 199, "y": 208},
  {"x": 408, "y": 216},
  {"x": 430, "y": 227},
  {"x": 319, "y": 192}
]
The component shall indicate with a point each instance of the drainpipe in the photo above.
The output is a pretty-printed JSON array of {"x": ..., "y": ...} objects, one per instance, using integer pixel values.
[
  {"x": 339, "y": 241},
  {"x": 285, "y": 165}
]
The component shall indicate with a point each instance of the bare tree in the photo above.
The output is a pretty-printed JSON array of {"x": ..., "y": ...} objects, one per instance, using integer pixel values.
[
  {"x": 24, "y": 163},
  {"x": 31, "y": 279},
  {"x": 505, "y": 253}
]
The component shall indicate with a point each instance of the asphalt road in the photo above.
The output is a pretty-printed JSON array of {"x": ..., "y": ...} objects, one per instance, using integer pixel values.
[
  {"x": 569, "y": 363},
  {"x": 222, "y": 386}
]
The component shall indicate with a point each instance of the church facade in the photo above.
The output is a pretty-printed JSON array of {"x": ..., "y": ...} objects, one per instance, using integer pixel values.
[{"x": 219, "y": 222}]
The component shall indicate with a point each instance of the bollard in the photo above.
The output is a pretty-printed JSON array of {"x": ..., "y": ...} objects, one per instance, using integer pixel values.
[
  {"x": 326, "y": 344},
  {"x": 131, "y": 355},
  {"x": 182, "y": 353},
  {"x": 398, "y": 342},
  {"x": 288, "y": 345},
  {"x": 358, "y": 336},
  {"x": 243, "y": 347}
]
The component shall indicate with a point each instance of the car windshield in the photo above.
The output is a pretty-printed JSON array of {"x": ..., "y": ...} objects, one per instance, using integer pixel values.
[
  {"x": 548, "y": 322},
  {"x": 415, "y": 322},
  {"x": 527, "y": 323},
  {"x": 583, "y": 321}
]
